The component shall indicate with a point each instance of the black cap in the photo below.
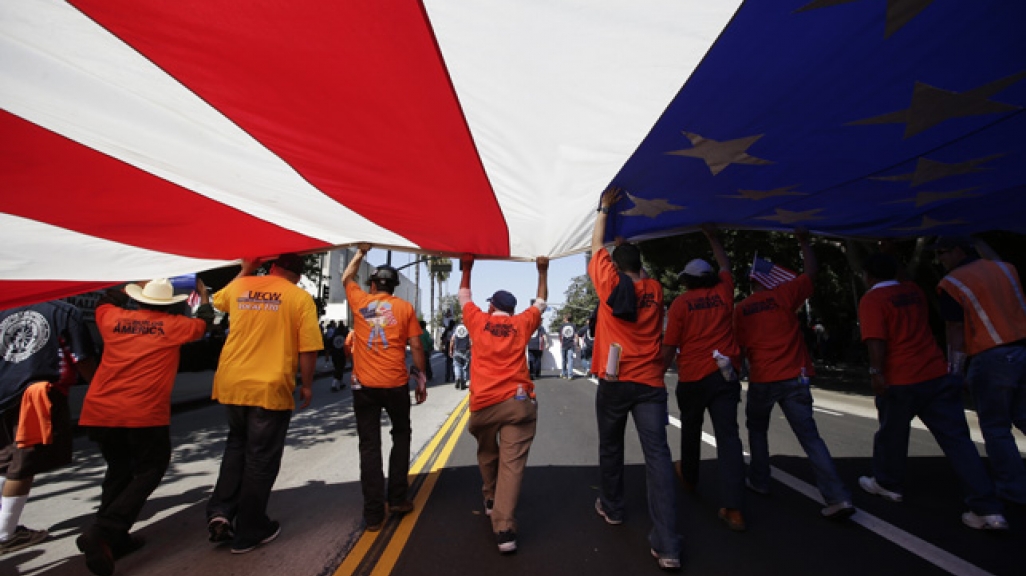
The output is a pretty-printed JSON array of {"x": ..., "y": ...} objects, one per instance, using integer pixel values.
[
  {"x": 291, "y": 262},
  {"x": 385, "y": 275}
]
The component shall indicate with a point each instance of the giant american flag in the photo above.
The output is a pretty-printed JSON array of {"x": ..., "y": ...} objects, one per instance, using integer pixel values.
[{"x": 148, "y": 138}]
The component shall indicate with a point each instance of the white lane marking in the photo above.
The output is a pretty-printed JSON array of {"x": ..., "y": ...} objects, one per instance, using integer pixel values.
[
  {"x": 921, "y": 548},
  {"x": 825, "y": 411}
]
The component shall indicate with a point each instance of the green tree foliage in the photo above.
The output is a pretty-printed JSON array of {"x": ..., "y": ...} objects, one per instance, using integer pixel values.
[
  {"x": 450, "y": 302},
  {"x": 579, "y": 300}
]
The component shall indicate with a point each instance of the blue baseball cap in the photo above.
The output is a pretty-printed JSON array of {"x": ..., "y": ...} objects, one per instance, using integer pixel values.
[{"x": 504, "y": 301}]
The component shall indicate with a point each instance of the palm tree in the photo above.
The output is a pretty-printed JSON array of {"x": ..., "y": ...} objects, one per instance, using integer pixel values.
[{"x": 439, "y": 269}]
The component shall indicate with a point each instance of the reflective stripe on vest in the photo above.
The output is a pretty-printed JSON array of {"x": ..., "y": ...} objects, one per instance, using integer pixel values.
[
  {"x": 980, "y": 312},
  {"x": 996, "y": 311},
  {"x": 1011, "y": 280}
]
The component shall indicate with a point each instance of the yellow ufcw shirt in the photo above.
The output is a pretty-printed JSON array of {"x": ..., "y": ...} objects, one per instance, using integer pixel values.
[{"x": 271, "y": 321}]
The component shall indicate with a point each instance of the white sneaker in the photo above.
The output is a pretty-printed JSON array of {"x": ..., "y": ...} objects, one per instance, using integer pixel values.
[
  {"x": 838, "y": 511},
  {"x": 988, "y": 522},
  {"x": 666, "y": 563},
  {"x": 869, "y": 484}
]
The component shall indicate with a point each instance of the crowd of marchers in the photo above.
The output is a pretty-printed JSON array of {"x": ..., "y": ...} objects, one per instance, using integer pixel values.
[{"x": 632, "y": 339}]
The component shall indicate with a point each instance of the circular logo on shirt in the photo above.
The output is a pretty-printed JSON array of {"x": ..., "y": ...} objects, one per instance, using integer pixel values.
[
  {"x": 339, "y": 341},
  {"x": 22, "y": 334},
  {"x": 568, "y": 331},
  {"x": 461, "y": 331}
]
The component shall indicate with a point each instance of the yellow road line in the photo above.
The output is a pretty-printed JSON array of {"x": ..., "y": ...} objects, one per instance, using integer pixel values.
[
  {"x": 402, "y": 534},
  {"x": 367, "y": 540}
]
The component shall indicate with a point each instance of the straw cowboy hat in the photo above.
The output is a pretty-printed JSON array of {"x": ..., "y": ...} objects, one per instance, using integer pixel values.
[{"x": 158, "y": 292}]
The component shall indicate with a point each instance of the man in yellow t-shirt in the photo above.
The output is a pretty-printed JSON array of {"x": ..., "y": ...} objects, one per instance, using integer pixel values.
[
  {"x": 382, "y": 327},
  {"x": 274, "y": 331}
]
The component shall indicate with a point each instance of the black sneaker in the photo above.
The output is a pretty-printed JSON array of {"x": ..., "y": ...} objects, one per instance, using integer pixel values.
[
  {"x": 507, "y": 540},
  {"x": 609, "y": 518},
  {"x": 489, "y": 504},
  {"x": 126, "y": 546},
  {"x": 220, "y": 530},
  {"x": 274, "y": 531},
  {"x": 98, "y": 556},
  {"x": 22, "y": 538}
]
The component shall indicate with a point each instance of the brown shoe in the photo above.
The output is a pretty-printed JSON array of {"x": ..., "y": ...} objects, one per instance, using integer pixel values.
[
  {"x": 401, "y": 508},
  {"x": 376, "y": 527},
  {"x": 733, "y": 518}
]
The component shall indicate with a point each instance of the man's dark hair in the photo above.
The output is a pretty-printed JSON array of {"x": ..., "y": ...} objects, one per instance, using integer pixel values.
[
  {"x": 627, "y": 258},
  {"x": 881, "y": 266},
  {"x": 704, "y": 281}
]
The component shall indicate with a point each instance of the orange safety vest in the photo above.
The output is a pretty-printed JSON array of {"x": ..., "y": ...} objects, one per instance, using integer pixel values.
[{"x": 992, "y": 300}]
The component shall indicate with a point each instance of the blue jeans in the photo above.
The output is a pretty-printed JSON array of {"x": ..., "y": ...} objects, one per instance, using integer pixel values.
[
  {"x": 461, "y": 368},
  {"x": 795, "y": 402},
  {"x": 568, "y": 362},
  {"x": 249, "y": 467},
  {"x": 998, "y": 380},
  {"x": 938, "y": 403},
  {"x": 614, "y": 402},
  {"x": 721, "y": 398}
]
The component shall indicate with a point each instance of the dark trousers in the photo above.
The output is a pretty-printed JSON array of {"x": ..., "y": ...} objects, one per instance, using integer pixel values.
[
  {"x": 368, "y": 404},
  {"x": 338, "y": 364},
  {"x": 249, "y": 467},
  {"x": 534, "y": 358},
  {"x": 137, "y": 459},
  {"x": 721, "y": 398}
]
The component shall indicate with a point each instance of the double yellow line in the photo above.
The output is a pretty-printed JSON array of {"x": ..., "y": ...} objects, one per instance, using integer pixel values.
[{"x": 376, "y": 553}]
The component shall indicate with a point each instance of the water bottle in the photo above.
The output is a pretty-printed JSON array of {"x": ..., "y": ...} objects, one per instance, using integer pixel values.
[
  {"x": 726, "y": 368},
  {"x": 613, "y": 361},
  {"x": 803, "y": 379},
  {"x": 520, "y": 395}
]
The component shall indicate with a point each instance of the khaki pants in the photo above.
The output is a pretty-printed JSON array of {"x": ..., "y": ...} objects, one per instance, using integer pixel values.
[{"x": 504, "y": 433}]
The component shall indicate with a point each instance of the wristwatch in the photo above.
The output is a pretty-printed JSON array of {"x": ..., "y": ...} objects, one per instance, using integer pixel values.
[
  {"x": 874, "y": 372},
  {"x": 603, "y": 209}
]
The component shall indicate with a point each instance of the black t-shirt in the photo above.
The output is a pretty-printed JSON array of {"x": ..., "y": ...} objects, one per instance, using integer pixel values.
[
  {"x": 567, "y": 332},
  {"x": 337, "y": 341}
]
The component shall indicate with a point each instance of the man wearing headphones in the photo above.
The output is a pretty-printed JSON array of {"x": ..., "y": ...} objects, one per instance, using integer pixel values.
[{"x": 383, "y": 325}]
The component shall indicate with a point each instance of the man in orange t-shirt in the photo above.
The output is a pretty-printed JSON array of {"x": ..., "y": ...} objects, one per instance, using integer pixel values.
[
  {"x": 627, "y": 361},
  {"x": 127, "y": 409},
  {"x": 700, "y": 327},
  {"x": 503, "y": 409},
  {"x": 383, "y": 325},
  {"x": 910, "y": 378},
  {"x": 779, "y": 368}
]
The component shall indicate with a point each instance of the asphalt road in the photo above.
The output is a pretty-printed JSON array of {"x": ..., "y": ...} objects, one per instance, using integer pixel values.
[{"x": 317, "y": 499}]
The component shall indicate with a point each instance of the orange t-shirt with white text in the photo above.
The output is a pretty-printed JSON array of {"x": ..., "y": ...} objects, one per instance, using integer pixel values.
[
  {"x": 898, "y": 315},
  {"x": 499, "y": 364},
  {"x": 701, "y": 321},
  {"x": 641, "y": 358}
]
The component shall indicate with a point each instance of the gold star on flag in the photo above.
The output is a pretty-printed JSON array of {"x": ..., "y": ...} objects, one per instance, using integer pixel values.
[
  {"x": 927, "y": 224},
  {"x": 789, "y": 217},
  {"x": 899, "y": 12},
  {"x": 924, "y": 198},
  {"x": 718, "y": 155},
  {"x": 928, "y": 170},
  {"x": 930, "y": 105},
  {"x": 763, "y": 194},
  {"x": 651, "y": 208}
]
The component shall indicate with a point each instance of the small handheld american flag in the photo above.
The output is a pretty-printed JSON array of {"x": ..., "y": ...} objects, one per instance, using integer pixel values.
[{"x": 769, "y": 274}]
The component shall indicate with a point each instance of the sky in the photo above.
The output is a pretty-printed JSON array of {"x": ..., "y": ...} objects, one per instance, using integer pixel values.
[{"x": 519, "y": 278}]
